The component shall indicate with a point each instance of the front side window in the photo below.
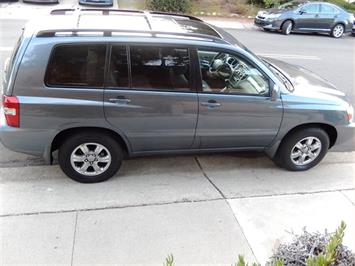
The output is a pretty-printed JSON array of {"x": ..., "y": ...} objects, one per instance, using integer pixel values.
[
  {"x": 311, "y": 8},
  {"x": 77, "y": 66},
  {"x": 223, "y": 72},
  {"x": 160, "y": 68}
]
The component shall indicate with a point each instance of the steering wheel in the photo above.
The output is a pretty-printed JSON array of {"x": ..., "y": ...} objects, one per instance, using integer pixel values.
[{"x": 229, "y": 68}]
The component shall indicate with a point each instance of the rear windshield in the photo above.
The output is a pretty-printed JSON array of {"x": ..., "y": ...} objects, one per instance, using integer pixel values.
[{"x": 9, "y": 63}]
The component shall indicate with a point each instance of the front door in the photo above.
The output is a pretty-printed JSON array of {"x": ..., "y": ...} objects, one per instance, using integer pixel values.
[
  {"x": 235, "y": 107},
  {"x": 154, "y": 106},
  {"x": 308, "y": 18}
]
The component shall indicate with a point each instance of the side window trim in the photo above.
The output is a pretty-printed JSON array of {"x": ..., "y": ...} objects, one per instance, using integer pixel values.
[{"x": 239, "y": 55}]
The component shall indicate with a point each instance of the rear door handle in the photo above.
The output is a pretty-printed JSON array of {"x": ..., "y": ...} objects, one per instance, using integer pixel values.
[
  {"x": 211, "y": 104},
  {"x": 119, "y": 100}
]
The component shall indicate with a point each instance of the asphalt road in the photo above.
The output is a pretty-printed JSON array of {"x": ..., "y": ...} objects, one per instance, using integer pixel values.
[{"x": 333, "y": 59}]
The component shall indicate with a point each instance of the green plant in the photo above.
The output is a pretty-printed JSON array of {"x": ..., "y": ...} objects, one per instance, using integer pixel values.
[
  {"x": 329, "y": 256},
  {"x": 179, "y": 6},
  {"x": 169, "y": 261},
  {"x": 332, "y": 252},
  {"x": 271, "y": 3}
]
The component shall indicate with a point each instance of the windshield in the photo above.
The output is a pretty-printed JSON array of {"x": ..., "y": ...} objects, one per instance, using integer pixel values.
[
  {"x": 280, "y": 76},
  {"x": 291, "y": 5}
]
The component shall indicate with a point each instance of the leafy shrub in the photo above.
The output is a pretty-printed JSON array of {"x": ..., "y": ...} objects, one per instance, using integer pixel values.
[
  {"x": 307, "y": 249},
  {"x": 178, "y": 6},
  {"x": 271, "y": 3},
  {"x": 348, "y": 6}
]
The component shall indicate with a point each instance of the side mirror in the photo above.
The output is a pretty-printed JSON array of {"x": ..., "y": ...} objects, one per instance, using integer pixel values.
[
  {"x": 302, "y": 12},
  {"x": 275, "y": 92}
]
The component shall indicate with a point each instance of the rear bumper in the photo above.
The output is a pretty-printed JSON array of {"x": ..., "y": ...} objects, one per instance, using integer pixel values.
[
  {"x": 33, "y": 142},
  {"x": 345, "y": 133}
]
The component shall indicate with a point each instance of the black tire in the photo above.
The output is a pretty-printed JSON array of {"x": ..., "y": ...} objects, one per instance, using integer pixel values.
[
  {"x": 334, "y": 34},
  {"x": 287, "y": 27},
  {"x": 283, "y": 156},
  {"x": 108, "y": 142}
]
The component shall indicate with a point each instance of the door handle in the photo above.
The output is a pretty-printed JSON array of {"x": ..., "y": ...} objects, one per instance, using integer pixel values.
[
  {"x": 211, "y": 104},
  {"x": 119, "y": 100}
]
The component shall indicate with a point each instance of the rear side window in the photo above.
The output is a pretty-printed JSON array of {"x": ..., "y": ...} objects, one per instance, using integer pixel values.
[
  {"x": 118, "y": 71},
  {"x": 77, "y": 66},
  {"x": 160, "y": 68},
  {"x": 327, "y": 9}
]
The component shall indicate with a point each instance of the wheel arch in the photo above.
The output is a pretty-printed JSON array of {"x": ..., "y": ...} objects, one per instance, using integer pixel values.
[
  {"x": 62, "y": 135},
  {"x": 288, "y": 19},
  {"x": 329, "y": 129}
]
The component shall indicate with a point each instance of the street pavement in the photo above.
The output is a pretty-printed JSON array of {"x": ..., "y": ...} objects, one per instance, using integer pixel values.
[{"x": 204, "y": 209}]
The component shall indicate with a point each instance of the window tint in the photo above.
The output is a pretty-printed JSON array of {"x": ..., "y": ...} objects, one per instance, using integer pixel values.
[
  {"x": 311, "y": 8},
  {"x": 227, "y": 73},
  {"x": 160, "y": 68},
  {"x": 77, "y": 66},
  {"x": 118, "y": 73},
  {"x": 327, "y": 9}
]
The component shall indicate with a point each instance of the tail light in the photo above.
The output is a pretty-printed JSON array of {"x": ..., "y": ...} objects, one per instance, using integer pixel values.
[
  {"x": 11, "y": 107},
  {"x": 350, "y": 113}
]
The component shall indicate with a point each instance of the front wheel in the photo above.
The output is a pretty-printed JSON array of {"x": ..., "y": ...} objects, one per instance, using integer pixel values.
[
  {"x": 287, "y": 27},
  {"x": 303, "y": 149},
  {"x": 338, "y": 31},
  {"x": 90, "y": 157}
]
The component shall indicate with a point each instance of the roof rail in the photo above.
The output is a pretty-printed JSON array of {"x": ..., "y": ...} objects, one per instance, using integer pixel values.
[
  {"x": 104, "y": 11},
  {"x": 108, "y": 32},
  {"x": 175, "y": 15}
]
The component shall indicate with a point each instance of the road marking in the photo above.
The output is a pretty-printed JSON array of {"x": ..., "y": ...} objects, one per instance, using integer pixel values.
[
  {"x": 5, "y": 48},
  {"x": 291, "y": 56}
]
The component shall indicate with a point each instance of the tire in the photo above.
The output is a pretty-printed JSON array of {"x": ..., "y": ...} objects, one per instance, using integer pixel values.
[
  {"x": 337, "y": 31},
  {"x": 288, "y": 148},
  {"x": 287, "y": 27},
  {"x": 90, "y": 157}
]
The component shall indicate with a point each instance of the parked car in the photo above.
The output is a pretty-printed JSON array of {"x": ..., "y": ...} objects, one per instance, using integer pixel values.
[
  {"x": 296, "y": 16},
  {"x": 353, "y": 31},
  {"x": 155, "y": 83},
  {"x": 98, "y": 3},
  {"x": 41, "y": 1}
]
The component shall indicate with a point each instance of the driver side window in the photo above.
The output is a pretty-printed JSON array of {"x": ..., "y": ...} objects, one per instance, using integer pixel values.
[{"x": 226, "y": 73}]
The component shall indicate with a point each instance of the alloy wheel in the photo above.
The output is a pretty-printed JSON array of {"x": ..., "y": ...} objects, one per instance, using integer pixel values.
[
  {"x": 306, "y": 151},
  {"x": 338, "y": 31},
  {"x": 90, "y": 159}
]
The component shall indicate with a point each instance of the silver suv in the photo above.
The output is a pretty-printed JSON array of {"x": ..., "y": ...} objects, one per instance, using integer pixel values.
[{"x": 101, "y": 85}]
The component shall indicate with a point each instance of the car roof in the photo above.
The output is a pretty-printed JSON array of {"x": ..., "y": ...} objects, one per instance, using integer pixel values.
[{"x": 112, "y": 22}]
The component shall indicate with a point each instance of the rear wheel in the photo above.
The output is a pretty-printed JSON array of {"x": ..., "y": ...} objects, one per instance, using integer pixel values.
[
  {"x": 287, "y": 27},
  {"x": 90, "y": 157},
  {"x": 303, "y": 149},
  {"x": 338, "y": 31}
]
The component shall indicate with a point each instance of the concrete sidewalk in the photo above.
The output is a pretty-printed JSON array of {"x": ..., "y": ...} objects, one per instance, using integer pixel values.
[{"x": 204, "y": 210}]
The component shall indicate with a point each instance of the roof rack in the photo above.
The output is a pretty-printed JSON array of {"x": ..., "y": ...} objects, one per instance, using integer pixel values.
[
  {"x": 64, "y": 11},
  {"x": 108, "y": 32}
]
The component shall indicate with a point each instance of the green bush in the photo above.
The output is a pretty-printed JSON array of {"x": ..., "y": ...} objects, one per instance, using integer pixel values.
[
  {"x": 350, "y": 7},
  {"x": 178, "y": 6},
  {"x": 271, "y": 3}
]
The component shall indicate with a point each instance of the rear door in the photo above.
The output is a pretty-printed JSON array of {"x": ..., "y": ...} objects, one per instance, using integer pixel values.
[
  {"x": 327, "y": 16},
  {"x": 149, "y": 96},
  {"x": 236, "y": 110}
]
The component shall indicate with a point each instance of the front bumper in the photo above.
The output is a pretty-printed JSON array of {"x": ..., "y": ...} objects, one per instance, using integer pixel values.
[
  {"x": 267, "y": 23},
  {"x": 345, "y": 133}
]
